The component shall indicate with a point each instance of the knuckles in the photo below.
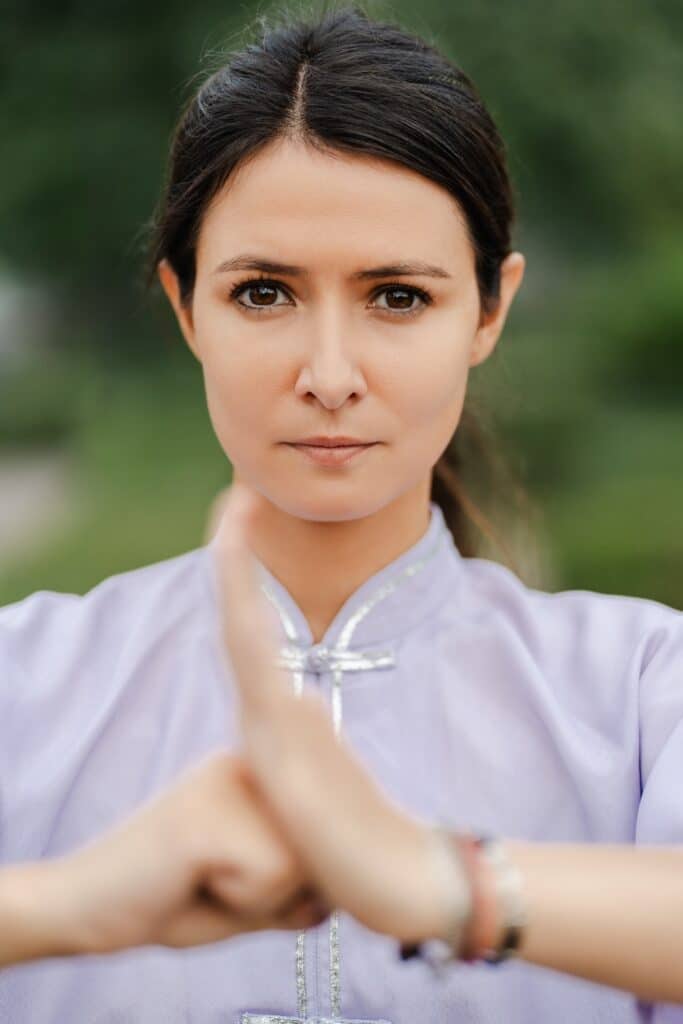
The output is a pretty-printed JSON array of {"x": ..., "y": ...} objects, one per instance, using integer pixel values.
[{"x": 254, "y": 866}]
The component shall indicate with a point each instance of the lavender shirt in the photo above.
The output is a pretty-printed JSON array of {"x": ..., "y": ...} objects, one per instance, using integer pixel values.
[{"x": 470, "y": 697}]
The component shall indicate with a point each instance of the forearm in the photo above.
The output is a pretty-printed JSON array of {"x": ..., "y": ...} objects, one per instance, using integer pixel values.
[
  {"x": 35, "y": 916},
  {"x": 610, "y": 913}
]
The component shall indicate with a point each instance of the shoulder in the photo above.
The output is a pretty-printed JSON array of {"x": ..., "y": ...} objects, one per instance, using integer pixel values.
[
  {"x": 85, "y": 681},
  {"x": 574, "y": 626},
  {"x": 50, "y": 631}
]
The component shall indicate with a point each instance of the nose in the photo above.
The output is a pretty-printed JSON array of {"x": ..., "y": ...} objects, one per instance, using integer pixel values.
[{"x": 329, "y": 369}]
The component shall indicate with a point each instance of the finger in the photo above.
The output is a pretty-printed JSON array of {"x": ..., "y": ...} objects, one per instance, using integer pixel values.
[
  {"x": 207, "y": 921},
  {"x": 248, "y": 626},
  {"x": 306, "y": 914},
  {"x": 301, "y": 909},
  {"x": 243, "y": 894},
  {"x": 201, "y": 923}
]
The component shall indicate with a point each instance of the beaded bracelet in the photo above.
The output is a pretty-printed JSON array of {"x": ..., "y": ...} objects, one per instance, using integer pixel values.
[
  {"x": 457, "y": 881},
  {"x": 482, "y": 910},
  {"x": 509, "y": 898},
  {"x": 458, "y": 862},
  {"x": 484, "y": 915}
]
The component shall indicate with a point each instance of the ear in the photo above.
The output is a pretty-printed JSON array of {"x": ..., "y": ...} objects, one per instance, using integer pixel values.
[
  {"x": 171, "y": 285},
  {"x": 491, "y": 324}
]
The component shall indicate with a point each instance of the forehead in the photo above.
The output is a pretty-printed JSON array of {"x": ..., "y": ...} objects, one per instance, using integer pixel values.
[{"x": 292, "y": 200}]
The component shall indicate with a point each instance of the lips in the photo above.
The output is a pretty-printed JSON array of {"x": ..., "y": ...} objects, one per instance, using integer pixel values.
[
  {"x": 341, "y": 441},
  {"x": 331, "y": 455}
]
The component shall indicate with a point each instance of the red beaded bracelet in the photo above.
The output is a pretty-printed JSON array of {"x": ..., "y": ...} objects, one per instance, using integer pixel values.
[
  {"x": 483, "y": 919},
  {"x": 509, "y": 899},
  {"x": 487, "y": 905}
]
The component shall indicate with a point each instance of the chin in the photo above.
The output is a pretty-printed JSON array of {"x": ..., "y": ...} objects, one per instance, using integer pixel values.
[{"x": 328, "y": 508}]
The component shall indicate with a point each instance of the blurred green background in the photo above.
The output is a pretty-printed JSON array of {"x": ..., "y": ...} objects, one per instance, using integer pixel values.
[{"x": 107, "y": 457}]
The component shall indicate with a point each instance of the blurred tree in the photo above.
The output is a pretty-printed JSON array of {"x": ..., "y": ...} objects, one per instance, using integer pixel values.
[
  {"x": 639, "y": 339},
  {"x": 588, "y": 99},
  {"x": 90, "y": 91}
]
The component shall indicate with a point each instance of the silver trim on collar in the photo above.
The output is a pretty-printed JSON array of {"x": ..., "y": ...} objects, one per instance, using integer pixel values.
[{"x": 319, "y": 658}]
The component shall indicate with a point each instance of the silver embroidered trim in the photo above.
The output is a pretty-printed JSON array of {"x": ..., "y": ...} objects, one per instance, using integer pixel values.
[
  {"x": 335, "y": 988},
  {"x": 319, "y": 658},
  {"x": 335, "y": 985},
  {"x": 270, "y": 1018},
  {"x": 301, "y": 998},
  {"x": 388, "y": 588}
]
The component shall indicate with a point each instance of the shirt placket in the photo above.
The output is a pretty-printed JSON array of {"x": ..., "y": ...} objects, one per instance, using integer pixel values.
[{"x": 336, "y": 660}]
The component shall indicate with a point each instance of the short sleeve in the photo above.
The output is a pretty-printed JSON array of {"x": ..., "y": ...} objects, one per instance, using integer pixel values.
[
  {"x": 84, "y": 682},
  {"x": 45, "y": 644},
  {"x": 11, "y": 680},
  {"x": 660, "y": 812}
]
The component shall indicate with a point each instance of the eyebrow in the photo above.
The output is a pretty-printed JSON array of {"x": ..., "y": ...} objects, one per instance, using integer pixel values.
[{"x": 417, "y": 268}]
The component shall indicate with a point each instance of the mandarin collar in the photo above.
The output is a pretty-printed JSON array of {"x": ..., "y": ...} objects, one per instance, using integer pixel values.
[{"x": 380, "y": 610}]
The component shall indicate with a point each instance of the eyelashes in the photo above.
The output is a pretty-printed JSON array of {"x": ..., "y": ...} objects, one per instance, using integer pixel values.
[{"x": 243, "y": 286}]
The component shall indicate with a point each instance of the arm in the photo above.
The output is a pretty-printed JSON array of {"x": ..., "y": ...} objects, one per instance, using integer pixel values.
[
  {"x": 34, "y": 921},
  {"x": 610, "y": 913},
  {"x": 198, "y": 863}
]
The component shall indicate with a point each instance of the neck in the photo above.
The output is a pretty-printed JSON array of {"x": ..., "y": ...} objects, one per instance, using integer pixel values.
[{"x": 321, "y": 564}]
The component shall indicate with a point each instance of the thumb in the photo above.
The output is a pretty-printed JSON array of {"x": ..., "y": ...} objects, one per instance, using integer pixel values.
[{"x": 248, "y": 630}]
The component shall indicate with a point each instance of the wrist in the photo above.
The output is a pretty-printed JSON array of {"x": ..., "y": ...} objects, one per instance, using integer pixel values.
[
  {"x": 444, "y": 900},
  {"x": 483, "y": 904},
  {"x": 424, "y": 917},
  {"x": 34, "y": 913},
  {"x": 507, "y": 902},
  {"x": 486, "y": 927}
]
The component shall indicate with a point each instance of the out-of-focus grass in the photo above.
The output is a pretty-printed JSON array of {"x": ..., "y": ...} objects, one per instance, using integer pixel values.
[
  {"x": 606, "y": 470},
  {"x": 618, "y": 527},
  {"x": 149, "y": 466}
]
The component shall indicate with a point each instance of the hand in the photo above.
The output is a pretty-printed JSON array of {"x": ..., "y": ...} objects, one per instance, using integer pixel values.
[
  {"x": 202, "y": 862},
  {"x": 365, "y": 855}
]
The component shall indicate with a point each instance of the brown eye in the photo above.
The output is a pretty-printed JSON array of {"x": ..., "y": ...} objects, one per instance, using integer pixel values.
[
  {"x": 405, "y": 298},
  {"x": 402, "y": 301},
  {"x": 261, "y": 294}
]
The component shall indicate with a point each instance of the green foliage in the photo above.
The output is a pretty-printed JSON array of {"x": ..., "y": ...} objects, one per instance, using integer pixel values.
[
  {"x": 90, "y": 94},
  {"x": 46, "y": 402},
  {"x": 148, "y": 466},
  {"x": 589, "y": 106},
  {"x": 638, "y": 332},
  {"x": 588, "y": 100}
]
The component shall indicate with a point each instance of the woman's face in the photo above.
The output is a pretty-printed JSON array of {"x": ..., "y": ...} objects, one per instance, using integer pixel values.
[{"x": 343, "y": 345}]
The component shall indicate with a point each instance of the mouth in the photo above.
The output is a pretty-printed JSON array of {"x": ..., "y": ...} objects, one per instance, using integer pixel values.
[{"x": 336, "y": 455}]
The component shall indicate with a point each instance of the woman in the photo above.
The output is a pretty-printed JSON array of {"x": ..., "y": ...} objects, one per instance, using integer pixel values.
[{"x": 334, "y": 239}]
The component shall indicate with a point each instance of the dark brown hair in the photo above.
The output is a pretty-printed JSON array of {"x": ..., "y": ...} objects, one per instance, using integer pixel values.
[{"x": 342, "y": 81}]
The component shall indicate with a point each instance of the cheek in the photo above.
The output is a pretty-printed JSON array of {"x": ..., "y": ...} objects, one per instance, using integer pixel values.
[
  {"x": 427, "y": 403},
  {"x": 239, "y": 394},
  {"x": 431, "y": 391}
]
